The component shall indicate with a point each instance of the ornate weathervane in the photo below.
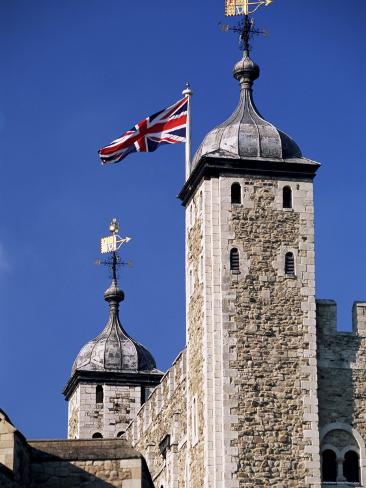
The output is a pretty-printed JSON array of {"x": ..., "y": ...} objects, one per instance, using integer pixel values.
[
  {"x": 243, "y": 7},
  {"x": 245, "y": 27},
  {"x": 111, "y": 244}
]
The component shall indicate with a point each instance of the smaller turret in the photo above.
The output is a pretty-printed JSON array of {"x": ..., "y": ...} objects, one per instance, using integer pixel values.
[{"x": 112, "y": 375}]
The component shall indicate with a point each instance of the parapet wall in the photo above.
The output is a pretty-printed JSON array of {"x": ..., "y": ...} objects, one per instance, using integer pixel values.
[
  {"x": 341, "y": 361},
  {"x": 159, "y": 430},
  {"x": 326, "y": 317}
]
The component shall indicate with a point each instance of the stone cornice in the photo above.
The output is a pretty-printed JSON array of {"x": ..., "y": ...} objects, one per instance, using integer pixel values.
[{"x": 213, "y": 167}]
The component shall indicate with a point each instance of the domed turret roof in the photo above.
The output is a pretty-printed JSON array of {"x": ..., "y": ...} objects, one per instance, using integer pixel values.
[
  {"x": 246, "y": 134},
  {"x": 113, "y": 349}
]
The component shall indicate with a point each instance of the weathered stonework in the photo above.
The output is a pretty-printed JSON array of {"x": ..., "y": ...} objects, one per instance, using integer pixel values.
[
  {"x": 164, "y": 414},
  {"x": 258, "y": 429},
  {"x": 109, "y": 418},
  {"x": 272, "y": 329},
  {"x": 342, "y": 386},
  {"x": 195, "y": 344}
]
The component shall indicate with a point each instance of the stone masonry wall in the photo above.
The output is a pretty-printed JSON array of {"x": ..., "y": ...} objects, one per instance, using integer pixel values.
[
  {"x": 87, "y": 463},
  {"x": 164, "y": 413},
  {"x": 195, "y": 343},
  {"x": 341, "y": 376},
  {"x": 14, "y": 455},
  {"x": 86, "y": 417},
  {"x": 271, "y": 336}
]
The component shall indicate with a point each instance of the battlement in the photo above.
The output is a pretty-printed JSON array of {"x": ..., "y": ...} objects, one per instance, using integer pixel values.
[
  {"x": 159, "y": 400},
  {"x": 326, "y": 317}
]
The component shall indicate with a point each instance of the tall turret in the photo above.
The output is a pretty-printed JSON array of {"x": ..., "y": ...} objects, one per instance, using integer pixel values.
[{"x": 251, "y": 338}]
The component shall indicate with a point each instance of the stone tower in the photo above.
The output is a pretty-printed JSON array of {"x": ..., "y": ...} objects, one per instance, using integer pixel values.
[
  {"x": 252, "y": 412},
  {"x": 111, "y": 378}
]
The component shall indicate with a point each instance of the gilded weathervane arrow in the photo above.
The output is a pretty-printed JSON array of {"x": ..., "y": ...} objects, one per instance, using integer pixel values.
[
  {"x": 243, "y": 7},
  {"x": 111, "y": 244}
]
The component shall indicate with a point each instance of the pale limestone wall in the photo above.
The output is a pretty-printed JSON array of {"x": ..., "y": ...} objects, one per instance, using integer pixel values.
[
  {"x": 164, "y": 413},
  {"x": 14, "y": 454},
  {"x": 196, "y": 387},
  {"x": 86, "y": 417},
  {"x": 73, "y": 426},
  {"x": 257, "y": 334},
  {"x": 341, "y": 376},
  {"x": 124, "y": 473}
]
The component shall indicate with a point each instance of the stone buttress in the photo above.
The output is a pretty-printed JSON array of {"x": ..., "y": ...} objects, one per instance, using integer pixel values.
[{"x": 252, "y": 412}]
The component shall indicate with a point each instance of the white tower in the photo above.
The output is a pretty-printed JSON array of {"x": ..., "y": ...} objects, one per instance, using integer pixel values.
[{"x": 251, "y": 338}]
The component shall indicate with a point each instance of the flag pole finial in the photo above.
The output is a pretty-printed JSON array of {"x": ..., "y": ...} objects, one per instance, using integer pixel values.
[{"x": 187, "y": 92}]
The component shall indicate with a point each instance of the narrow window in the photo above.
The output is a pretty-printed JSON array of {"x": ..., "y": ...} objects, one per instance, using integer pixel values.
[
  {"x": 201, "y": 202},
  {"x": 201, "y": 267},
  {"x": 190, "y": 282},
  {"x": 289, "y": 264},
  {"x": 351, "y": 469},
  {"x": 235, "y": 193},
  {"x": 99, "y": 394},
  {"x": 194, "y": 422},
  {"x": 234, "y": 260},
  {"x": 287, "y": 197},
  {"x": 329, "y": 465},
  {"x": 97, "y": 435}
]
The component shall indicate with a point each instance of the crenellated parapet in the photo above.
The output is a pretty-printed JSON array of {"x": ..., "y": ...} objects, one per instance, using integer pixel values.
[
  {"x": 159, "y": 429},
  {"x": 341, "y": 364},
  {"x": 326, "y": 318}
]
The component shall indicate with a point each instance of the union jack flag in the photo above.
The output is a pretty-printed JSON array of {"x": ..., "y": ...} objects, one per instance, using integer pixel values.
[{"x": 165, "y": 127}]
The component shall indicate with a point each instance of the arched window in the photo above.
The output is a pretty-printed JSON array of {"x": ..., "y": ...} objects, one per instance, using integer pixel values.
[
  {"x": 234, "y": 260},
  {"x": 287, "y": 197},
  {"x": 289, "y": 264},
  {"x": 99, "y": 394},
  {"x": 351, "y": 469},
  {"x": 120, "y": 433},
  {"x": 235, "y": 193},
  {"x": 97, "y": 435},
  {"x": 329, "y": 465}
]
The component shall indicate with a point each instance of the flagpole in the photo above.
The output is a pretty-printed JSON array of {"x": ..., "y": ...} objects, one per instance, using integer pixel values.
[{"x": 187, "y": 92}]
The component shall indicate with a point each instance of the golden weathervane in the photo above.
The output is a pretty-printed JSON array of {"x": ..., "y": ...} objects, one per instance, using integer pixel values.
[{"x": 243, "y": 7}]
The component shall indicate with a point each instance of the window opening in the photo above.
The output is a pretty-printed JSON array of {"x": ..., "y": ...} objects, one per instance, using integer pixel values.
[
  {"x": 190, "y": 281},
  {"x": 97, "y": 435},
  {"x": 201, "y": 202},
  {"x": 329, "y": 465},
  {"x": 194, "y": 421},
  {"x": 287, "y": 197},
  {"x": 120, "y": 433},
  {"x": 351, "y": 470},
  {"x": 234, "y": 259},
  {"x": 99, "y": 394},
  {"x": 289, "y": 264},
  {"x": 235, "y": 193}
]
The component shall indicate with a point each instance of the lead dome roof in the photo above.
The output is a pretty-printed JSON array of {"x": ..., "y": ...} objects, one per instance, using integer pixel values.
[
  {"x": 246, "y": 134},
  {"x": 113, "y": 350}
]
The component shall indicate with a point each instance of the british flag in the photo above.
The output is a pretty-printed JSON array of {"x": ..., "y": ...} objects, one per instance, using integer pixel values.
[{"x": 165, "y": 127}]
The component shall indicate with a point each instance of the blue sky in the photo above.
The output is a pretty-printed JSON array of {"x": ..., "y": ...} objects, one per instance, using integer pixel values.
[{"x": 76, "y": 74}]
